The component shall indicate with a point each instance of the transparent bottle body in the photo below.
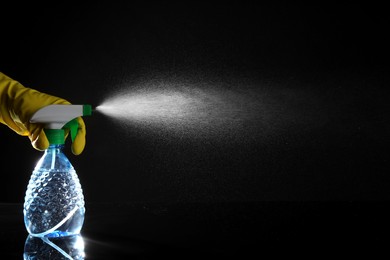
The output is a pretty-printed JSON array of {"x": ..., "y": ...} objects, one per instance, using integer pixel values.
[{"x": 54, "y": 201}]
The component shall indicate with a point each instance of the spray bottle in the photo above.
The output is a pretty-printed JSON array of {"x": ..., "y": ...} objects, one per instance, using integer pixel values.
[{"x": 54, "y": 201}]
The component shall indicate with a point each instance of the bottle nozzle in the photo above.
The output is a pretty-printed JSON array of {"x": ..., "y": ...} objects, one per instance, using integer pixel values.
[
  {"x": 57, "y": 117},
  {"x": 87, "y": 110}
]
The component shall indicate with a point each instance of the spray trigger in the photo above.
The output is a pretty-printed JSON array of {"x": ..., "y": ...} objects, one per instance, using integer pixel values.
[{"x": 73, "y": 127}]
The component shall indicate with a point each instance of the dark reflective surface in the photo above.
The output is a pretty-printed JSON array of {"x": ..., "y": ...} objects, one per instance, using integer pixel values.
[{"x": 198, "y": 230}]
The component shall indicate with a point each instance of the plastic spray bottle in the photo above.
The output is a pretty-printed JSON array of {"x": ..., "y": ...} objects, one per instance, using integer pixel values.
[{"x": 54, "y": 200}]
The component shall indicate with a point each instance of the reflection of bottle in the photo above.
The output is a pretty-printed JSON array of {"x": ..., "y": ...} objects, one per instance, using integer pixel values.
[
  {"x": 71, "y": 247},
  {"x": 54, "y": 201}
]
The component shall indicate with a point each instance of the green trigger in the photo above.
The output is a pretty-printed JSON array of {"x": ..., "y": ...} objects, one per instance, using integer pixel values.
[{"x": 73, "y": 126}]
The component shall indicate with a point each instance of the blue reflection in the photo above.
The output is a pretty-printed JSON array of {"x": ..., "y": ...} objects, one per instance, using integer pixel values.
[{"x": 71, "y": 247}]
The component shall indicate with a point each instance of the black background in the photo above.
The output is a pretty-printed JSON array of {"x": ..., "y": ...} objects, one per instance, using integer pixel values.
[{"x": 336, "y": 52}]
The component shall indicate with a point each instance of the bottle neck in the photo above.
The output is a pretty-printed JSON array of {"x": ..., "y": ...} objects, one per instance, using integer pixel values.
[
  {"x": 55, "y": 147},
  {"x": 60, "y": 146}
]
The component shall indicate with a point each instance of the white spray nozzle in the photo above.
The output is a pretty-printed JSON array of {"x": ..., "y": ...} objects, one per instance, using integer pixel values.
[{"x": 56, "y": 116}]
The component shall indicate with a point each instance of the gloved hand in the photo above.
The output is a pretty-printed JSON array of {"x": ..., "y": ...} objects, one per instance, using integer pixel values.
[{"x": 18, "y": 104}]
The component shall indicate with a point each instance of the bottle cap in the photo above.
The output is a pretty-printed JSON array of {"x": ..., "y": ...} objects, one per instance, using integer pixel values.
[{"x": 55, "y": 136}]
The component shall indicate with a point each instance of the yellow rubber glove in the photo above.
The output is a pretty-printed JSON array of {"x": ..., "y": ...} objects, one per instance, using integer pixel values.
[{"x": 18, "y": 104}]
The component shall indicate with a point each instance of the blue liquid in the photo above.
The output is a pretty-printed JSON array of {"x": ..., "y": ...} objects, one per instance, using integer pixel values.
[{"x": 54, "y": 201}]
